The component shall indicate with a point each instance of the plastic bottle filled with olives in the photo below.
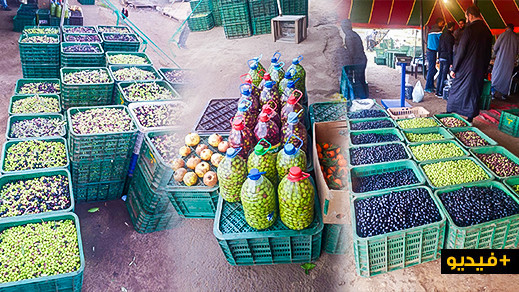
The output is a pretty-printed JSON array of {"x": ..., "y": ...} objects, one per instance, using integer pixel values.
[{"x": 259, "y": 202}]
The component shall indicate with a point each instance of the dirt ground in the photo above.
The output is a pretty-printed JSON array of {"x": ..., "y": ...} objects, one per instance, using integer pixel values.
[{"x": 188, "y": 257}]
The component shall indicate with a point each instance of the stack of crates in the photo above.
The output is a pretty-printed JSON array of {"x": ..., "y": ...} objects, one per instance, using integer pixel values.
[
  {"x": 25, "y": 15},
  {"x": 201, "y": 21},
  {"x": 39, "y": 59},
  {"x": 216, "y": 13},
  {"x": 99, "y": 162},
  {"x": 261, "y": 14},
  {"x": 43, "y": 17},
  {"x": 235, "y": 18}
]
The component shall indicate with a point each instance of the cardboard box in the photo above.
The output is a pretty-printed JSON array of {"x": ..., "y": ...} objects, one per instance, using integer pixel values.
[{"x": 335, "y": 204}]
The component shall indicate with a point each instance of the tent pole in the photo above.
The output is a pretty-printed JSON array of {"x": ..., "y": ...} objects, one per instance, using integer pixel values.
[{"x": 423, "y": 39}]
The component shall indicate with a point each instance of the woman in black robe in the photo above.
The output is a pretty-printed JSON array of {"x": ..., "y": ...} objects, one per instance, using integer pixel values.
[{"x": 470, "y": 66}]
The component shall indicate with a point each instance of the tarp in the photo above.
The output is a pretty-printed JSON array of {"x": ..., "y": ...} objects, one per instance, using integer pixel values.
[{"x": 406, "y": 13}]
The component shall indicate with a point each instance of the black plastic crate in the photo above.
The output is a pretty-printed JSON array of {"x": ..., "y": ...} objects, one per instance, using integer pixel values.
[{"x": 217, "y": 116}]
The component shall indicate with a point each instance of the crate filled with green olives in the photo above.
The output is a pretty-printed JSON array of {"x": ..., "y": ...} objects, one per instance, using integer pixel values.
[
  {"x": 33, "y": 86},
  {"x": 57, "y": 265},
  {"x": 86, "y": 86},
  {"x": 257, "y": 232},
  {"x": 34, "y": 104},
  {"x": 426, "y": 134},
  {"x": 140, "y": 91},
  {"x": 185, "y": 168},
  {"x": 36, "y": 126},
  {"x": 127, "y": 58}
]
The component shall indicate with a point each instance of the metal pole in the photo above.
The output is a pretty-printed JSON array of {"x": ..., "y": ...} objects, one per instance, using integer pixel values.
[
  {"x": 279, "y": 7},
  {"x": 423, "y": 38}
]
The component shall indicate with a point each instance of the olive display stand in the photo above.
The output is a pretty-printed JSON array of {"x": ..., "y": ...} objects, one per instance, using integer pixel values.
[
  {"x": 21, "y": 82},
  {"x": 17, "y": 118},
  {"x": 348, "y": 153},
  {"x": 142, "y": 55},
  {"x": 410, "y": 146},
  {"x": 122, "y": 98},
  {"x": 494, "y": 149},
  {"x": 15, "y": 98},
  {"x": 217, "y": 115},
  {"x": 334, "y": 203},
  {"x": 441, "y": 116},
  {"x": 336, "y": 238},
  {"x": 377, "y": 109},
  {"x": 63, "y": 282},
  {"x": 352, "y": 122},
  {"x": 438, "y": 124},
  {"x": 13, "y": 142},
  {"x": 399, "y": 249},
  {"x": 496, "y": 234},
  {"x": 13, "y": 178},
  {"x": 368, "y": 170},
  {"x": 197, "y": 201},
  {"x": 91, "y": 94},
  {"x": 385, "y": 131},
  {"x": 433, "y": 130},
  {"x": 244, "y": 245},
  {"x": 480, "y": 133}
]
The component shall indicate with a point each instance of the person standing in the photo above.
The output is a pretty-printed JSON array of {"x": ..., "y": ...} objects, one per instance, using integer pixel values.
[
  {"x": 459, "y": 32},
  {"x": 354, "y": 51},
  {"x": 470, "y": 66},
  {"x": 445, "y": 54},
  {"x": 506, "y": 50},
  {"x": 433, "y": 40},
  {"x": 5, "y": 7}
]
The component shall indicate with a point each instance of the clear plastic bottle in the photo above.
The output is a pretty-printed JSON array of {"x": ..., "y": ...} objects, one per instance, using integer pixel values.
[
  {"x": 270, "y": 95},
  {"x": 289, "y": 76},
  {"x": 266, "y": 78},
  {"x": 254, "y": 90},
  {"x": 291, "y": 106},
  {"x": 277, "y": 73},
  {"x": 291, "y": 87},
  {"x": 268, "y": 130},
  {"x": 258, "y": 198},
  {"x": 296, "y": 195},
  {"x": 294, "y": 128},
  {"x": 300, "y": 73},
  {"x": 241, "y": 137},
  {"x": 271, "y": 112},
  {"x": 249, "y": 117},
  {"x": 255, "y": 69},
  {"x": 273, "y": 61},
  {"x": 289, "y": 157},
  {"x": 232, "y": 173},
  {"x": 264, "y": 159},
  {"x": 255, "y": 107}
]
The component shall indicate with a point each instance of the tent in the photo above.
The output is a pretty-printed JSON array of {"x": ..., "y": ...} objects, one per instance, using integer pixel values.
[{"x": 412, "y": 13}]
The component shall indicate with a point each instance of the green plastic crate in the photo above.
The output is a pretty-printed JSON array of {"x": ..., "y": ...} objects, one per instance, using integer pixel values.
[
  {"x": 495, "y": 234},
  {"x": 440, "y": 116},
  {"x": 399, "y": 249},
  {"x": 236, "y": 11},
  {"x": 94, "y": 38},
  {"x": 477, "y": 162},
  {"x": 180, "y": 87},
  {"x": 244, "y": 245},
  {"x": 510, "y": 182},
  {"x": 114, "y": 68},
  {"x": 153, "y": 202},
  {"x": 237, "y": 30},
  {"x": 120, "y": 46},
  {"x": 43, "y": 17},
  {"x": 39, "y": 53},
  {"x": 15, "y": 98},
  {"x": 380, "y": 60},
  {"x": 328, "y": 111},
  {"x": 142, "y": 55},
  {"x": 70, "y": 29},
  {"x": 201, "y": 21},
  {"x": 509, "y": 122},
  {"x": 19, "y": 23},
  {"x": 336, "y": 238},
  {"x": 16, "y": 118},
  {"x": 201, "y": 6},
  {"x": 486, "y": 97},
  {"x": 465, "y": 152},
  {"x": 10, "y": 143},
  {"x": 96, "y": 192},
  {"x": 64, "y": 282},
  {"x": 348, "y": 153},
  {"x": 96, "y": 171},
  {"x": 102, "y": 145},
  {"x": 216, "y": 13},
  {"x": 40, "y": 70},
  {"x": 438, "y": 124},
  {"x": 121, "y": 97},
  {"x": 52, "y": 30},
  {"x": 369, "y": 170},
  {"x": 386, "y": 131},
  {"x": 106, "y": 28},
  {"x": 92, "y": 94},
  {"x": 473, "y": 129},
  {"x": 294, "y": 7},
  {"x": 69, "y": 59},
  {"x": 263, "y": 8},
  {"x": 194, "y": 204},
  {"x": 373, "y": 120},
  {"x": 262, "y": 25},
  {"x": 144, "y": 222},
  {"x": 378, "y": 109},
  {"x": 87, "y": 2},
  {"x": 10, "y": 178},
  {"x": 494, "y": 149},
  {"x": 55, "y": 21},
  {"x": 23, "y": 81},
  {"x": 436, "y": 130}
]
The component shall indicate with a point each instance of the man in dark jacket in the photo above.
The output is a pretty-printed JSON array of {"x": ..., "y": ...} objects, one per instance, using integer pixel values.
[
  {"x": 433, "y": 41},
  {"x": 470, "y": 66},
  {"x": 354, "y": 52},
  {"x": 459, "y": 31},
  {"x": 445, "y": 55}
]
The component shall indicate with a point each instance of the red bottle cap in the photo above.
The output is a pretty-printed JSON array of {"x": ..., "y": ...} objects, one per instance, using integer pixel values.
[
  {"x": 295, "y": 174},
  {"x": 238, "y": 125},
  {"x": 267, "y": 109},
  {"x": 292, "y": 100},
  {"x": 266, "y": 76},
  {"x": 263, "y": 117}
]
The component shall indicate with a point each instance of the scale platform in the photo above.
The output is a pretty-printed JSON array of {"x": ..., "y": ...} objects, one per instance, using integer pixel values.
[{"x": 390, "y": 103}]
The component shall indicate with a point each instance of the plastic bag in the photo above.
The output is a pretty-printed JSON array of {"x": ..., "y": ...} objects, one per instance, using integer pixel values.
[
  {"x": 418, "y": 92},
  {"x": 361, "y": 104}
]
